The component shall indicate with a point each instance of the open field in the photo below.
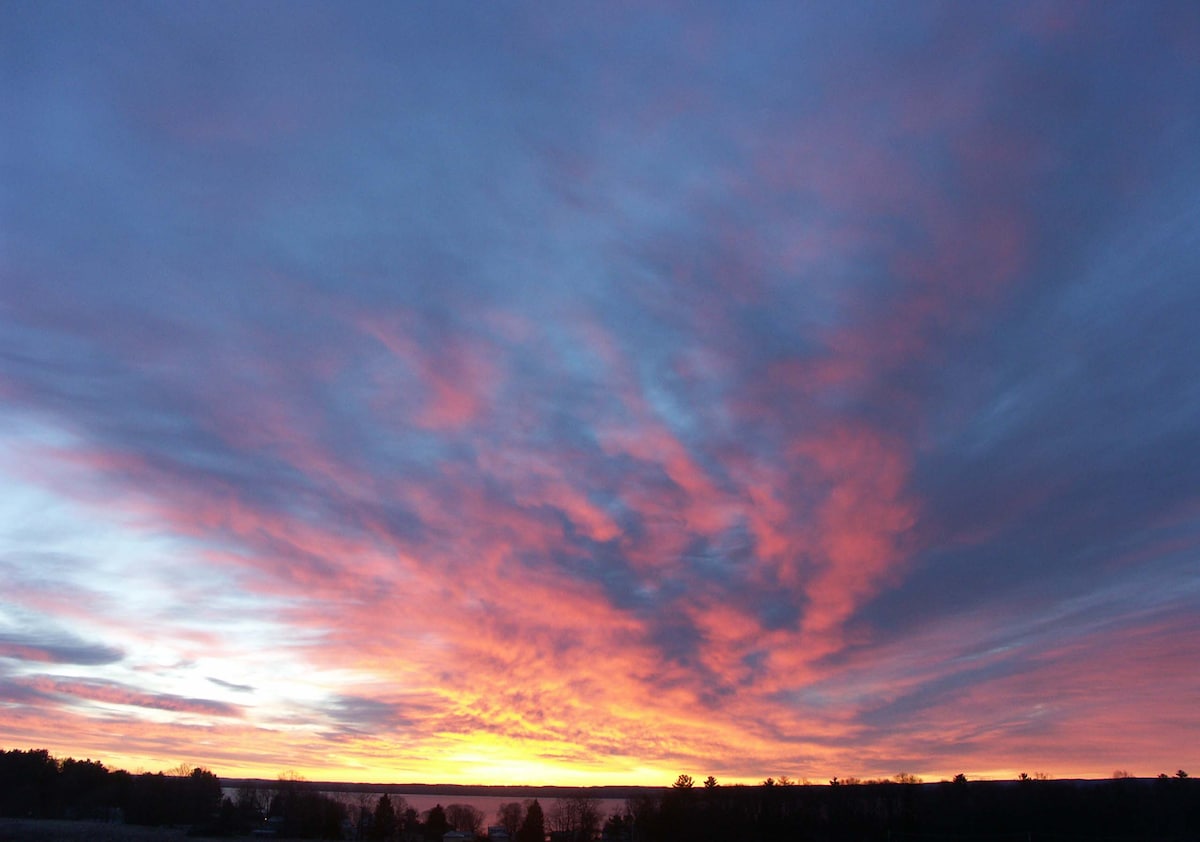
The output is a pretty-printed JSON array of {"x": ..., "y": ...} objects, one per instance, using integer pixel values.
[{"x": 52, "y": 830}]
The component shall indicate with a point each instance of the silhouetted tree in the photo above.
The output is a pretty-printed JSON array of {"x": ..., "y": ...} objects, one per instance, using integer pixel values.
[
  {"x": 410, "y": 822},
  {"x": 684, "y": 782},
  {"x": 252, "y": 801},
  {"x": 464, "y": 817},
  {"x": 533, "y": 828},
  {"x": 304, "y": 813},
  {"x": 509, "y": 817},
  {"x": 578, "y": 817},
  {"x": 646, "y": 811},
  {"x": 202, "y": 796},
  {"x": 618, "y": 828},
  {"x": 1168, "y": 808},
  {"x": 249, "y": 809},
  {"x": 436, "y": 824},
  {"x": 710, "y": 782},
  {"x": 82, "y": 788},
  {"x": 27, "y": 780},
  {"x": 383, "y": 825}
]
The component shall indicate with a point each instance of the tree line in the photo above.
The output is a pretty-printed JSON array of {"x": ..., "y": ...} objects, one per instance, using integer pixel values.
[
  {"x": 1031, "y": 808},
  {"x": 903, "y": 808},
  {"x": 35, "y": 785}
]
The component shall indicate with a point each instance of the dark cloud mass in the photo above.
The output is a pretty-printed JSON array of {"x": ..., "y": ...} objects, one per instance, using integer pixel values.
[
  {"x": 53, "y": 649},
  {"x": 588, "y": 394}
]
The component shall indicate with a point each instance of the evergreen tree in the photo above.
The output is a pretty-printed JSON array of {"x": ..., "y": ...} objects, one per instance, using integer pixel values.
[
  {"x": 436, "y": 824},
  {"x": 384, "y": 826},
  {"x": 409, "y": 821},
  {"x": 533, "y": 829}
]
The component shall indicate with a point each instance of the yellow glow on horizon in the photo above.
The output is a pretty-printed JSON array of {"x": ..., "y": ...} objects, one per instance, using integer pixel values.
[{"x": 492, "y": 764}]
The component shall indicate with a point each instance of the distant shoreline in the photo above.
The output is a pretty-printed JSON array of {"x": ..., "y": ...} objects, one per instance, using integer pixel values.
[
  {"x": 610, "y": 792},
  {"x": 607, "y": 792}
]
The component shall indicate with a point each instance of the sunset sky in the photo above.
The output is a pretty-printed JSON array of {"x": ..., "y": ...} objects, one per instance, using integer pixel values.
[{"x": 590, "y": 393}]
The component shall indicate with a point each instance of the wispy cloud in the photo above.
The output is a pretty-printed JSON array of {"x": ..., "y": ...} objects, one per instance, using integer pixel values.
[
  {"x": 56, "y": 650},
  {"x": 115, "y": 693}
]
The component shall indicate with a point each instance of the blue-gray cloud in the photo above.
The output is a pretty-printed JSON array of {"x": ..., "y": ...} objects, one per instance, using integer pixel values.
[{"x": 56, "y": 649}]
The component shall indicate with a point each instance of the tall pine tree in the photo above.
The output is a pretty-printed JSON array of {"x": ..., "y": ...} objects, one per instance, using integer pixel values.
[
  {"x": 533, "y": 829},
  {"x": 384, "y": 826}
]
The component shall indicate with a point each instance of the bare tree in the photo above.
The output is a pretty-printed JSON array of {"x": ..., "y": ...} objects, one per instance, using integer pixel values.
[
  {"x": 464, "y": 817},
  {"x": 579, "y": 816},
  {"x": 252, "y": 800},
  {"x": 509, "y": 817}
]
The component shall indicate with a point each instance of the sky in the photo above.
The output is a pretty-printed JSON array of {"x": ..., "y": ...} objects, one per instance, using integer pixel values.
[{"x": 590, "y": 393}]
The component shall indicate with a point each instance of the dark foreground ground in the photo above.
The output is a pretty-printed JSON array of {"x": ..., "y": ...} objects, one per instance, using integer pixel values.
[{"x": 51, "y": 830}]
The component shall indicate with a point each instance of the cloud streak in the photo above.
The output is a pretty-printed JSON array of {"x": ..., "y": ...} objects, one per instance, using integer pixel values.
[{"x": 60, "y": 650}]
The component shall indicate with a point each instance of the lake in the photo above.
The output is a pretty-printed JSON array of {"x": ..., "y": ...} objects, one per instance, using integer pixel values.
[{"x": 489, "y": 805}]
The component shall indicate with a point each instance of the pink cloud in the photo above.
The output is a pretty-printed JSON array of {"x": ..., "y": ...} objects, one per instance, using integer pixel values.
[
  {"x": 538, "y": 481},
  {"x": 110, "y": 692},
  {"x": 861, "y": 520},
  {"x": 458, "y": 379}
]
